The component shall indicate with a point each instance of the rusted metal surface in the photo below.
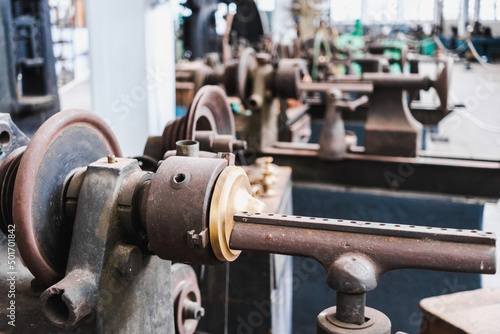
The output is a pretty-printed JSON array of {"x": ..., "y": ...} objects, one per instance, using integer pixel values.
[
  {"x": 372, "y": 64},
  {"x": 105, "y": 269},
  {"x": 187, "y": 299},
  {"x": 210, "y": 111},
  {"x": 67, "y": 141},
  {"x": 12, "y": 145},
  {"x": 239, "y": 76},
  {"x": 209, "y": 120},
  {"x": 345, "y": 86},
  {"x": 294, "y": 123},
  {"x": 289, "y": 75},
  {"x": 391, "y": 246},
  {"x": 187, "y": 148},
  {"x": 378, "y": 323},
  {"x": 332, "y": 142},
  {"x": 271, "y": 288},
  {"x": 74, "y": 297},
  {"x": 390, "y": 128},
  {"x": 178, "y": 208},
  {"x": 356, "y": 254}
]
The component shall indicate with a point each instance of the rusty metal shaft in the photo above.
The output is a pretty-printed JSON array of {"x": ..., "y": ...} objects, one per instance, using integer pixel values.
[
  {"x": 355, "y": 254},
  {"x": 351, "y": 308},
  {"x": 389, "y": 246}
]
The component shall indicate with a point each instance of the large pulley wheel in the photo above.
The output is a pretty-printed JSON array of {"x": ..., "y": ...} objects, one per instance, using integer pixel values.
[
  {"x": 238, "y": 77},
  {"x": 210, "y": 111},
  {"x": 66, "y": 142},
  {"x": 248, "y": 65}
]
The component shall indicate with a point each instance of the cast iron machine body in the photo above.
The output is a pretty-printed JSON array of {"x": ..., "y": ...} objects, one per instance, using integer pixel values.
[
  {"x": 392, "y": 143},
  {"x": 390, "y": 129},
  {"x": 89, "y": 227}
]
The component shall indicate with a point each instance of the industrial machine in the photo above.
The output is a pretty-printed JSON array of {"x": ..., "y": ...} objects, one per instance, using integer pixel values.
[
  {"x": 341, "y": 177},
  {"x": 28, "y": 82},
  {"x": 209, "y": 121},
  {"x": 99, "y": 234}
]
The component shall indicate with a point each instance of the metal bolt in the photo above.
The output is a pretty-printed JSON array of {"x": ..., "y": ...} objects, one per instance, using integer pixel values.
[
  {"x": 197, "y": 239},
  {"x": 111, "y": 159},
  {"x": 193, "y": 310},
  {"x": 128, "y": 260},
  {"x": 239, "y": 145},
  {"x": 228, "y": 156},
  {"x": 187, "y": 148}
]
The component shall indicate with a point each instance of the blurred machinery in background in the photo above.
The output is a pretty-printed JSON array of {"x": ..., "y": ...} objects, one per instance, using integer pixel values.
[
  {"x": 350, "y": 122},
  {"x": 185, "y": 239},
  {"x": 28, "y": 82}
]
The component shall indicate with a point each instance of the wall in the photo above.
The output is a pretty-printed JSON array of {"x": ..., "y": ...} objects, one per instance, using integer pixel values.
[{"x": 132, "y": 61}]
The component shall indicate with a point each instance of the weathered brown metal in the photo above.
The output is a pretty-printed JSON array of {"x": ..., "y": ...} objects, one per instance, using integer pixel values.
[
  {"x": 390, "y": 128},
  {"x": 289, "y": 75},
  {"x": 372, "y": 64},
  {"x": 187, "y": 299},
  {"x": 391, "y": 246},
  {"x": 353, "y": 86},
  {"x": 376, "y": 323},
  {"x": 196, "y": 73},
  {"x": 210, "y": 111},
  {"x": 473, "y": 311},
  {"x": 209, "y": 120},
  {"x": 332, "y": 141},
  {"x": 178, "y": 208},
  {"x": 67, "y": 141},
  {"x": 262, "y": 127},
  {"x": 239, "y": 76},
  {"x": 356, "y": 254},
  {"x": 106, "y": 268}
]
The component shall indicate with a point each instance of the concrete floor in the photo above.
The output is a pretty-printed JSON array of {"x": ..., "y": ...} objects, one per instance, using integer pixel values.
[{"x": 472, "y": 131}]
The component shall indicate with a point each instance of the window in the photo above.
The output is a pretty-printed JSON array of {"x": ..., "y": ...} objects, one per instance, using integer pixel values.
[
  {"x": 451, "y": 9},
  {"x": 489, "y": 10},
  {"x": 382, "y": 11},
  {"x": 345, "y": 11},
  {"x": 422, "y": 10}
]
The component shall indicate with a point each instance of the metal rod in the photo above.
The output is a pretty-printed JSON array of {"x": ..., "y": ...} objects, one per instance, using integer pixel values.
[
  {"x": 390, "y": 246},
  {"x": 187, "y": 148},
  {"x": 351, "y": 308},
  {"x": 354, "y": 86}
]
